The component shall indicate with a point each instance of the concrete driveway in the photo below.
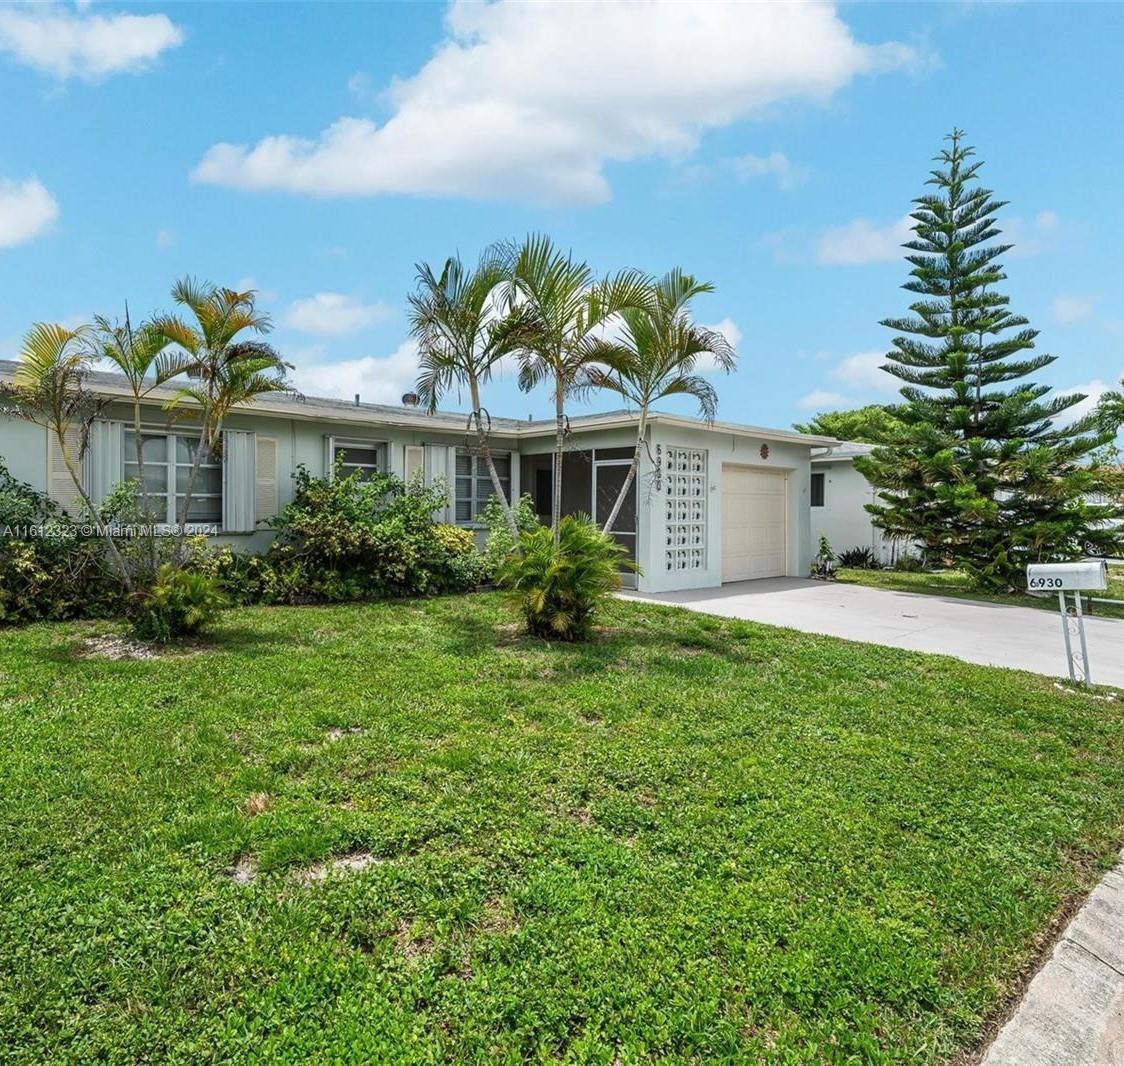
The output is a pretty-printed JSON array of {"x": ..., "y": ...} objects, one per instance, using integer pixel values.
[{"x": 988, "y": 633}]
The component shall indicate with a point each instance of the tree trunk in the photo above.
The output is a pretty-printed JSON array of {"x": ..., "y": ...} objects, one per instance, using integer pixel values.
[
  {"x": 204, "y": 450},
  {"x": 72, "y": 470},
  {"x": 486, "y": 452},
  {"x": 559, "y": 441},
  {"x": 146, "y": 500},
  {"x": 641, "y": 429}
]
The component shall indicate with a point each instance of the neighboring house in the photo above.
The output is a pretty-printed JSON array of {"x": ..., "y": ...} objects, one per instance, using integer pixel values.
[
  {"x": 839, "y": 495},
  {"x": 711, "y": 503}
]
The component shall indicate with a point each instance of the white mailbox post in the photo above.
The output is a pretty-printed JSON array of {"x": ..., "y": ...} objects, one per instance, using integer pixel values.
[{"x": 1089, "y": 575}]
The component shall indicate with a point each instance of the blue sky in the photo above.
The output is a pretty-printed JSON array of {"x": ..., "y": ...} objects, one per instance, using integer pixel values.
[{"x": 317, "y": 151}]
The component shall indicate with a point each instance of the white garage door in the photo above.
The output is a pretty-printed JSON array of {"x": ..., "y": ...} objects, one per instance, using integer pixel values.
[{"x": 753, "y": 523}]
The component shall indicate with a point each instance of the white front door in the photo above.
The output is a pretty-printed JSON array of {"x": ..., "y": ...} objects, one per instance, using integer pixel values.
[{"x": 754, "y": 505}]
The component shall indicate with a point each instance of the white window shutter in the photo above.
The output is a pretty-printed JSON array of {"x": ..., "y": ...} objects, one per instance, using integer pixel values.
[
  {"x": 438, "y": 458},
  {"x": 265, "y": 496},
  {"x": 239, "y": 462},
  {"x": 414, "y": 462},
  {"x": 60, "y": 485},
  {"x": 104, "y": 462}
]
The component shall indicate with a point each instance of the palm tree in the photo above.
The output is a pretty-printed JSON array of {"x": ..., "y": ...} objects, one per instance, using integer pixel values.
[
  {"x": 461, "y": 335},
  {"x": 565, "y": 310},
  {"x": 227, "y": 372},
  {"x": 141, "y": 356},
  {"x": 657, "y": 356},
  {"x": 49, "y": 388}
]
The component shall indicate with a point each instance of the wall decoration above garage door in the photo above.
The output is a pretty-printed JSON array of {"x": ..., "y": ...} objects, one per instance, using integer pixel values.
[{"x": 684, "y": 471}]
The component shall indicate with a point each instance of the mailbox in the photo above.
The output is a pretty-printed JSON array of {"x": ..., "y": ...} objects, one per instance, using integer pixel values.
[{"x": 1089, "y": 574}]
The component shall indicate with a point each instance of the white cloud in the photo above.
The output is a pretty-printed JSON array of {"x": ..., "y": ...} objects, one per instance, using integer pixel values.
[
  {"x": 861, "y": 241},
  {"x": 376, "y": 379},
  {"x": 775, "y": 165},
  {"x": 1069, "y": 309},
  {"x": 1047, "y": 221},
  {"x": 1092, "y": 391},
  {"x": 250, "y": 284},
  {"x": 360, "y": 86},
  {"x": 863, "y": 371},
  {"x": 333, "y": 314},
  {"x": 731, "y": 331},
  {"x": 165, "y": 238},
  {"x": 532, "y": 100},
  {"x": 26, "y": 209},
  {"x": 821, "y": 400},
  {"x": 69, "y": 44},
  {"x": 1031, "y": 237}
]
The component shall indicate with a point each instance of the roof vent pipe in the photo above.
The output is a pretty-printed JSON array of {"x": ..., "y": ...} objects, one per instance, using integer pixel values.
[{"x": 357, "y": 399}]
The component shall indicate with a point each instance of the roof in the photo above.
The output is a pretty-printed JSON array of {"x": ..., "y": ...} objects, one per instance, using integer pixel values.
[
  {"x": 843, "y": 450},
  {"x": 295, "y": 405}
]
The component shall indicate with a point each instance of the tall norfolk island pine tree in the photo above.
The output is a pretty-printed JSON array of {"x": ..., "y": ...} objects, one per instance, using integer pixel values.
[{"x": 982, "y": 472}]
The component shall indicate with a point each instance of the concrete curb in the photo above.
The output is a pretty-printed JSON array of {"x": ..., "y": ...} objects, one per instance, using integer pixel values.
[{"x": 1073, "y": 1012}]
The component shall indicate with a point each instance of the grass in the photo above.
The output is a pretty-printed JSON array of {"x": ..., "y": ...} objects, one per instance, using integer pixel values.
[
  {"x": 693, "y": 840},
  {"x": 956, "y": 583}
]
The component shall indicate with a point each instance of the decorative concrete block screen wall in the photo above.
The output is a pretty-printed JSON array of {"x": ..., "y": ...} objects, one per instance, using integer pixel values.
[{"x": 685, "y": 488}]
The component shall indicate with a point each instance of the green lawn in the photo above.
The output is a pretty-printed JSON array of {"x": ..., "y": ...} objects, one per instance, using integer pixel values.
[
  {"x": 956, "y": 583},
  {"x": 695, "y": 839}
]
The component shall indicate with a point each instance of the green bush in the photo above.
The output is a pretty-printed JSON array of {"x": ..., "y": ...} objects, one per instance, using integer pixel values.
[
  {"x": 560, "y": 587},
  {"x": 860, "y": 558},
  {"x": 908, "y": 563},
  {"x": 499, "y": 544},
  {"x": 356, "y": 538},
  {"x": 48, "y": 568},
  {"x": 179, "y": 603}
]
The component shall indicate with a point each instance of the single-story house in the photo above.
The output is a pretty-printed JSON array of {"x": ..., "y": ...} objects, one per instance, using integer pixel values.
[
  {"x": 711, "y": 503},
  {"x": 839, "y": 495}
]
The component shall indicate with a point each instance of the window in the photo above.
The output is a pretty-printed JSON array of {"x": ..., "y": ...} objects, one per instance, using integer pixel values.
[
  {"x": 474, "y": 484},
  {"x": 365, "y": 456},
  {"x": 168, "y": 458},
  {"x": 817, "y": 489}
]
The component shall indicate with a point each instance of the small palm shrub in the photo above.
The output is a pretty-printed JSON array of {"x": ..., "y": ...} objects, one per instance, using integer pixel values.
[
  {"x": 179, "y": 603},
  {"x": 559, "y": 588},
  {"x": 860, "y": 558}
]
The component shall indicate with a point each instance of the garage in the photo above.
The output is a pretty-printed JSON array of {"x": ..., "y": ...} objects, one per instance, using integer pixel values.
[{"x": 754, "y": 505}]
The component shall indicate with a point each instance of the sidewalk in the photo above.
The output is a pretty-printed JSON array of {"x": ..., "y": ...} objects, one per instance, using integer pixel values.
[{"x": 1073, "y": 1011}]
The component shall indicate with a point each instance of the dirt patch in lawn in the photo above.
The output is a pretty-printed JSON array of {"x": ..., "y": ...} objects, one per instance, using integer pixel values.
[
  {"x": 341, "y": 732},
  {"x": 111, "y": 646},
  {"x": 345, "y": 864},
  {"x": 258, "y": 803},
  {"x": 244, "y": 870}
]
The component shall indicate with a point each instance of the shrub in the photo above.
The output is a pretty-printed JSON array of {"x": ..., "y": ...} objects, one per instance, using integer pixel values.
[
  {"x": 823, "y": 565},
  {"x": 560, "y": 587},
  {"x": 179, "y": 603},
  {"x": 499, "y": 544},
  {"x": 354, "y": 538},
  {"x": 860, "y": 558},
  {"x": 48, "y": 569},
  {"x": 908, "y": 563}
]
